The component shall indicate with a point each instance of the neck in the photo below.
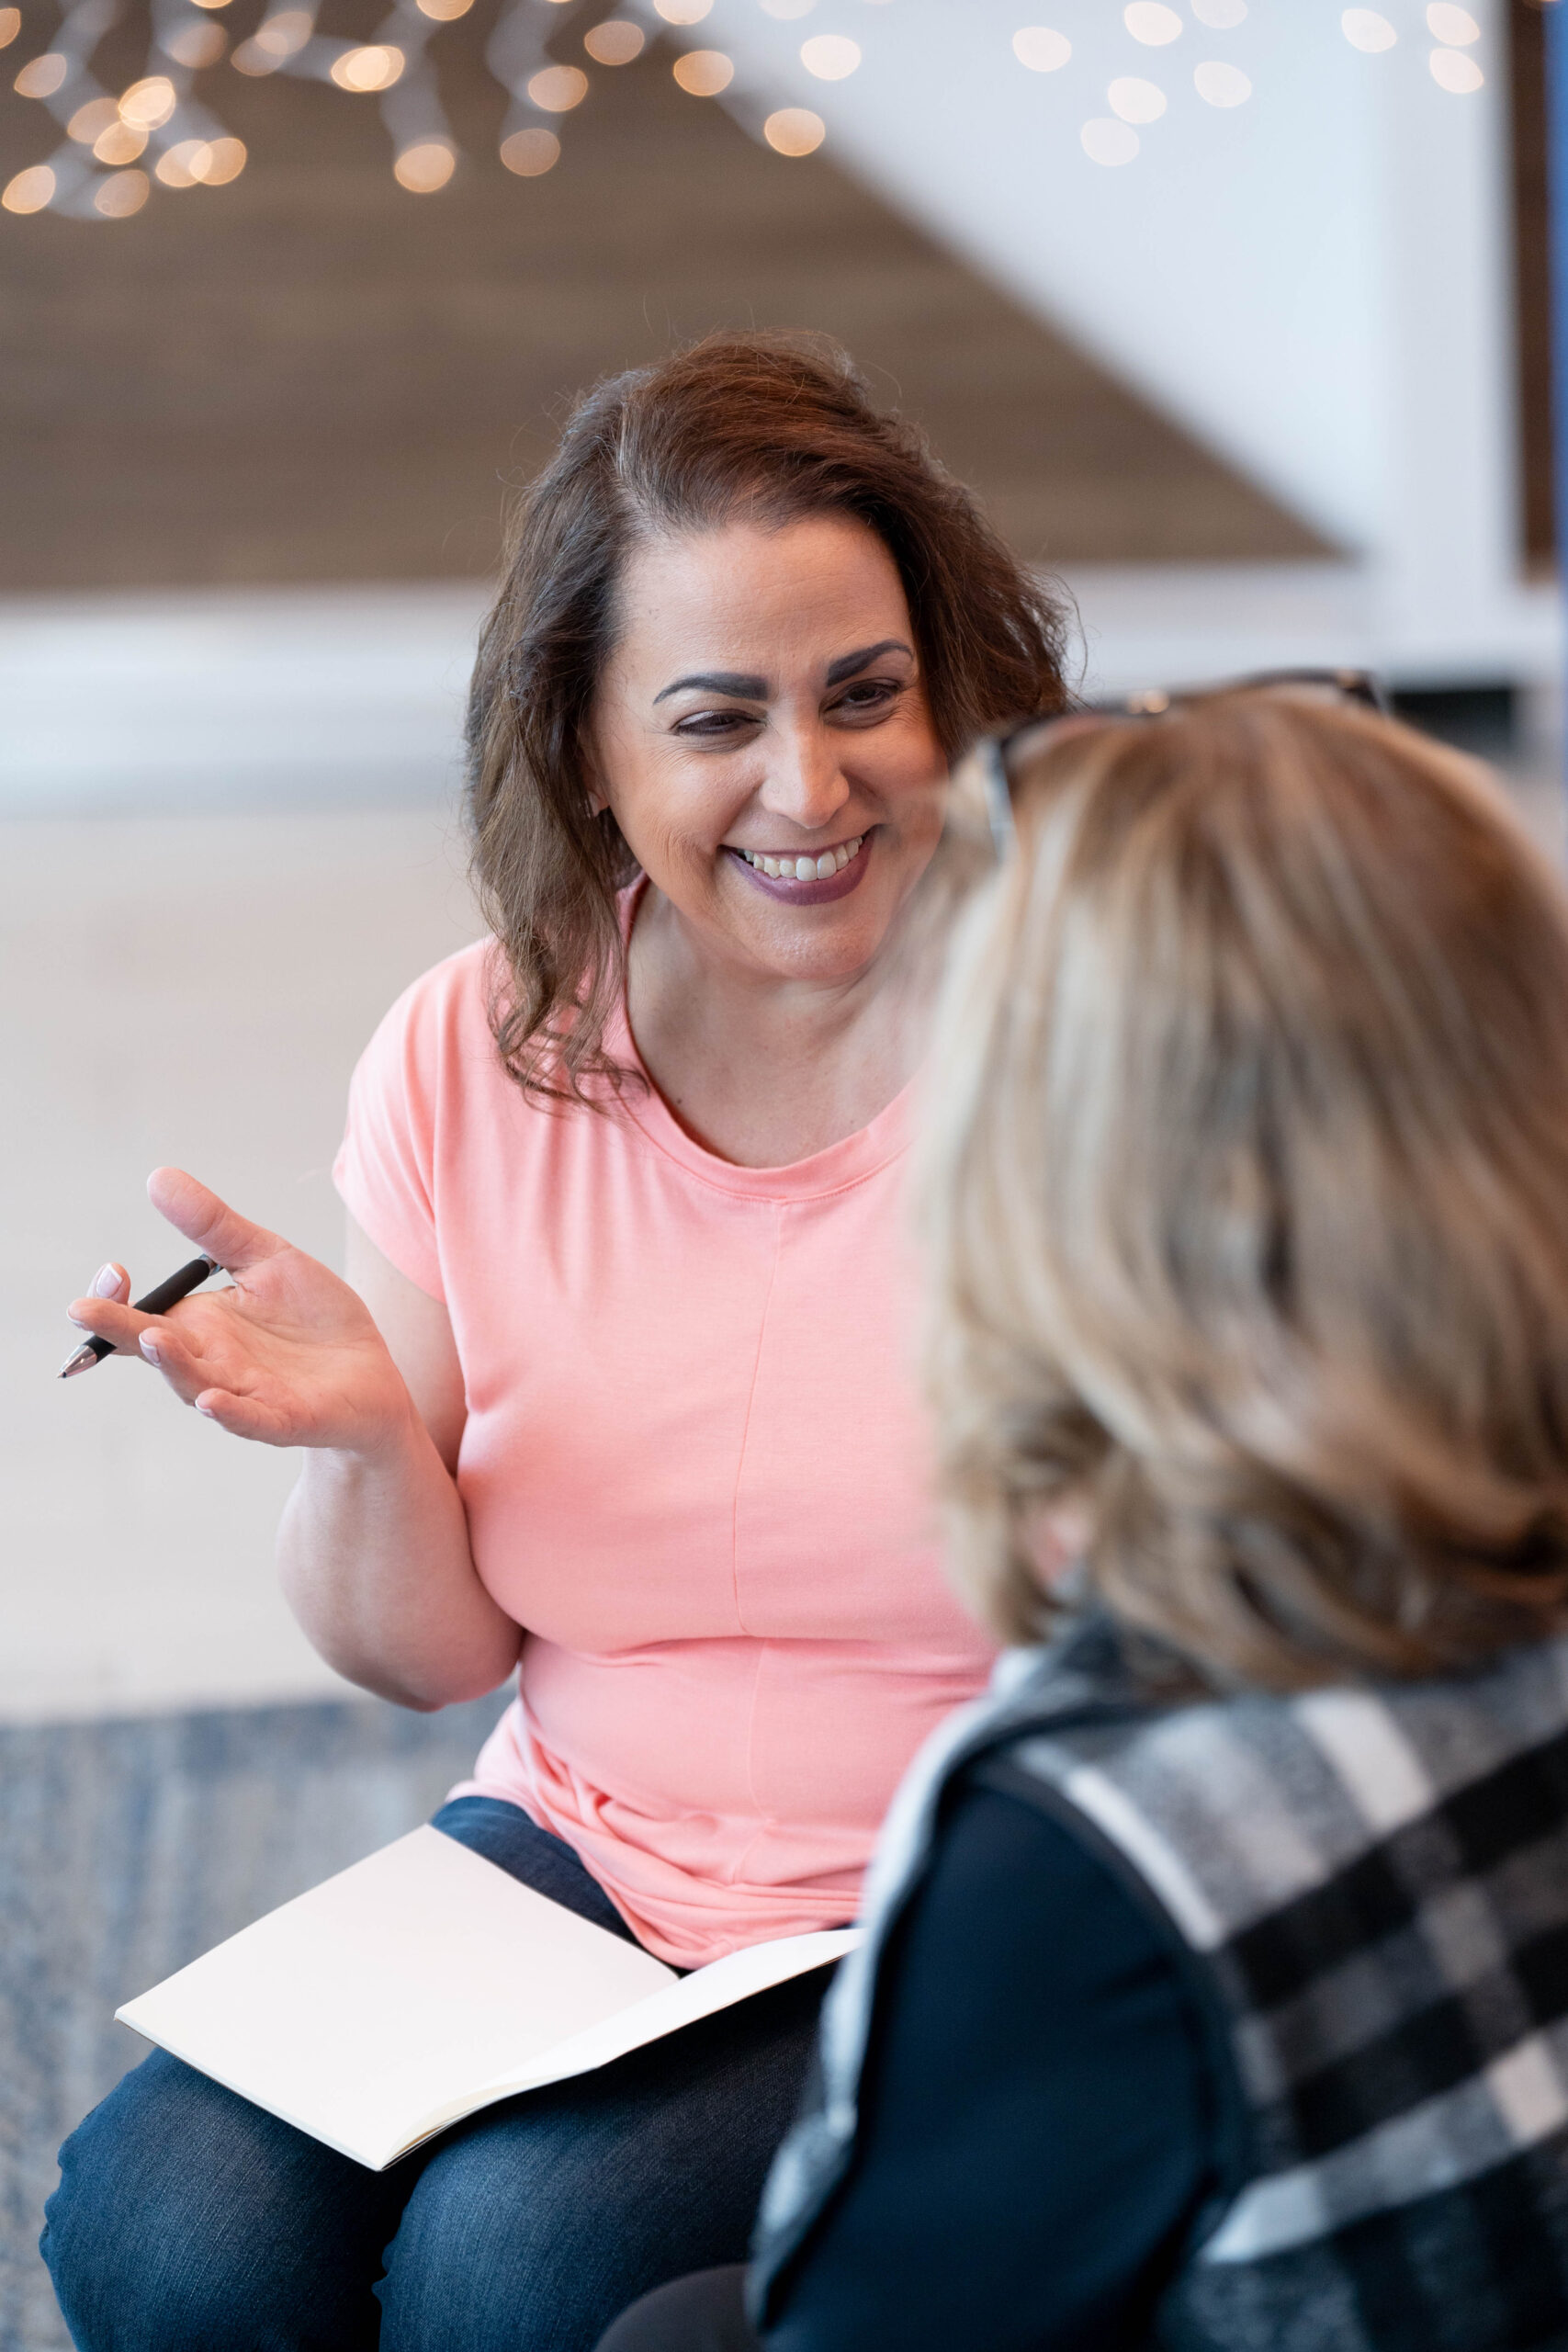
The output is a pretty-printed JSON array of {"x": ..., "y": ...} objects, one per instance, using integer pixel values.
[{"x": 761, "y": 1069}]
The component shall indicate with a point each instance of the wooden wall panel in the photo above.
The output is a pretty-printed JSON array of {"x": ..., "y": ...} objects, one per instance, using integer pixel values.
[{"x": 312, "y": 374}]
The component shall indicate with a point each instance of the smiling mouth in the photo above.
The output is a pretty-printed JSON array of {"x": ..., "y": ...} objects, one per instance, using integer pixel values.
[{"x": 805, "y": 869}]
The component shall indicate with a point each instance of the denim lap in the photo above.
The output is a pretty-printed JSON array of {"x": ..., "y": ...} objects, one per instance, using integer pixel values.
[{"x": 188, "y": 2220}]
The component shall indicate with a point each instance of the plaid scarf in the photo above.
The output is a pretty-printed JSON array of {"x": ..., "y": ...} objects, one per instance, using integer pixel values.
[{"x": 1369, "y": 1889}]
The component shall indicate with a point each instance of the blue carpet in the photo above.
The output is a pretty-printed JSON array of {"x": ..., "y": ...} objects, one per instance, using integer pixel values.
[{"x": 128, "y": 1848}]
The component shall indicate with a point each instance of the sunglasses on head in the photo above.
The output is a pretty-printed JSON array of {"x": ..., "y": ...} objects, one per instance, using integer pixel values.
[{"x": 994, "y": 753}]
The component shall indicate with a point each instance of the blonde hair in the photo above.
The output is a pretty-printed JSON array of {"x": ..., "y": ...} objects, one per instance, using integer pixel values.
[{"x": 1247, "y": 1196}]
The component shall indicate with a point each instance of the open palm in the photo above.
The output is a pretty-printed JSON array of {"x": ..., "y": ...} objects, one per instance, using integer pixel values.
[{"x": 289, "y": 1355}]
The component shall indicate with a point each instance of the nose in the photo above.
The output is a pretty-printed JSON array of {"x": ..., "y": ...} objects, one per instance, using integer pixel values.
[{"x": 804, "y": 782}]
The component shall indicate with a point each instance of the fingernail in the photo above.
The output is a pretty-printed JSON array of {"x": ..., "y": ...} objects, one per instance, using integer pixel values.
[
  {"x": 106, "y": 1281},
  {"x": 149, "y": 1346}
]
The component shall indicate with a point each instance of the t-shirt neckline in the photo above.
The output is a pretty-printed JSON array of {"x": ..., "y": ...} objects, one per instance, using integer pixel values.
[{"x": 849, "y": 1161}]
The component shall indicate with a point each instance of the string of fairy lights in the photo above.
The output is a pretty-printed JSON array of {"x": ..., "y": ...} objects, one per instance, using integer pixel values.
[{"x": 118, "y": 146}]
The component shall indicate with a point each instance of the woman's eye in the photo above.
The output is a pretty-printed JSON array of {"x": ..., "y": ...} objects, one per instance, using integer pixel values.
[
  {"x": 716, "y": 724},
  {"x": 869, "y": 697}
]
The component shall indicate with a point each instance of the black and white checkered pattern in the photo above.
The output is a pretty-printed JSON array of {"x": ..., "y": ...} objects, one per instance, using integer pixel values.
[{"x": 1372, "y": 1886}]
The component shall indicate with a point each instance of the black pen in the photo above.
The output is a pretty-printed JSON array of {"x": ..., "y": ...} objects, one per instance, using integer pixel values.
[{"x": 157, "y": 1302}]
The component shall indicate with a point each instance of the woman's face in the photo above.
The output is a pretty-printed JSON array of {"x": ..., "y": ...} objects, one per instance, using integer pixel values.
[{"x": 762, "y": 736}]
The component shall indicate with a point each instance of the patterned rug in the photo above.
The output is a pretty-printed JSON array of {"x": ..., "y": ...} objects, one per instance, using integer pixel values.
[{"x": 127, "y": 1849}]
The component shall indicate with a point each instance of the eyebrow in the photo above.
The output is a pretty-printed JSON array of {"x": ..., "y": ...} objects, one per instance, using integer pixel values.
[{"x": 744, "y": 686}]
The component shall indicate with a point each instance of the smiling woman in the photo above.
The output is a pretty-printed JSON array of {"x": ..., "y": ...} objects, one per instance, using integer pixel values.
[{"x": 620, "y": 1397}]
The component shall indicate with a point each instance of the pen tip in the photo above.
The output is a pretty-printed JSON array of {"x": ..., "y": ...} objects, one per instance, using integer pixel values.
[{"x": 78, "y": 1361}]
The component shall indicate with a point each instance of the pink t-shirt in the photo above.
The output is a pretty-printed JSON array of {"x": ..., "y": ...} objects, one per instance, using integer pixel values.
[{"x": 694, "y": 1469}]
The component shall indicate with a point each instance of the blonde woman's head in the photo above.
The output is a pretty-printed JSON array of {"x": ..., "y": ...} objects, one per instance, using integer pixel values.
[{"x": 1246, "y": 1192}]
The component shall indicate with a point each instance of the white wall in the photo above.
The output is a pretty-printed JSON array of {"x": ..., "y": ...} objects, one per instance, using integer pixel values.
[{"x": 1317, "y": 282}]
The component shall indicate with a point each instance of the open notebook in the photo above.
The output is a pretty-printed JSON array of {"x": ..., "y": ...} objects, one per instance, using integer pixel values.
[{"x": 424, "y": 1983}]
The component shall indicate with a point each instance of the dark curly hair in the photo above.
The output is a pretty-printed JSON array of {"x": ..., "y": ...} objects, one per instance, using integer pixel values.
[{"x": 785, "y": 428}]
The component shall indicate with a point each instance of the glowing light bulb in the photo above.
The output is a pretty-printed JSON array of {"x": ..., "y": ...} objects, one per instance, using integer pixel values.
[
  {"x": 1040, "y": 48},
  {"x": 1454, "y": 72},
  {"x": 614, "y": 42},
  {"x": 1152, "y": 23},
  {"x": 795, "y": 131},
  {"x": 558, "y": 88},
  {"x": 1136, "y": 101},
  {"x": 119, "y": 198},
  {"x": 1455, "y": 28},
  {"x": 40, "y": 77},
  {"x": 1366, "y": 30},
  {"x": 1221, "y": 85},
  {"x": 425, "y": 167},
  {"x": 29, "y": 191},
  {"x": 530, "y": 152},
  {"x": 1106, "y": 140},
  {"x": 829, "y": 56},
  {"x": 703, "y": 73},
  {"x": 148, "y": 103}
]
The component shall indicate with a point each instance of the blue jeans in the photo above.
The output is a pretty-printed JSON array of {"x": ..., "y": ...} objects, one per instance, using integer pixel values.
[{"x": 188, "y": 2220}]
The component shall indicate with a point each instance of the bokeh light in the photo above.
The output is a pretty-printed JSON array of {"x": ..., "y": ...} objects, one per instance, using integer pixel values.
[
  {"x": 1152, "y": 23},
  {"x": 89, "y": 120},
  {"x": 558, "y": 88},
  {"x": 29, "y": 191},
  {"x": 119, "y": 198},
  {"x": 1454, "y": 72},
  {"x": 10, "y": 25},
  {"x": 119, "y": 143},
  {"x": 445, "y": 12},
  {"x": 275, "y": 39},
  {"x": 42, "y": 77},
  {"x": 1365, "y": 29},
  {"x": 185, "y": 163},
  {"x": 425, "y": 167},
  {"x": 829, "y": 56},
  {"x": 1455, "y": 28},
  {"x": 1042, "y": 50},
  {"x": 614, "y": 42},
  {"x": 1221, "y": 85},
  {"x": 703, "y": 73},
  {"x": 1136, "y": 101},
  {"x": 795, "y": 131},
  {"x": 1106, "y": 140},
  {"x": 375, "y": 67},
  {"x": 1220, "y": 16},
  {"x": 683, "y": 12},
  {"x": 194, "y": 44},
  {"x": 531, "y": 152},
  {"x": 787, "y": 11},
  {"x": 226, "y": 160},
  {"x": 148, "y": 103}
]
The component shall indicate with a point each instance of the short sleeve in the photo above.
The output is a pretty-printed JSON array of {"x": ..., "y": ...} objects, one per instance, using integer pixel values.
[{"x": 385, "y": 1167}]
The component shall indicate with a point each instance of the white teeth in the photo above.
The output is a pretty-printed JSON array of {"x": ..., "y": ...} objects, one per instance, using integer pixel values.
[{"x": 805, "y": 869}]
